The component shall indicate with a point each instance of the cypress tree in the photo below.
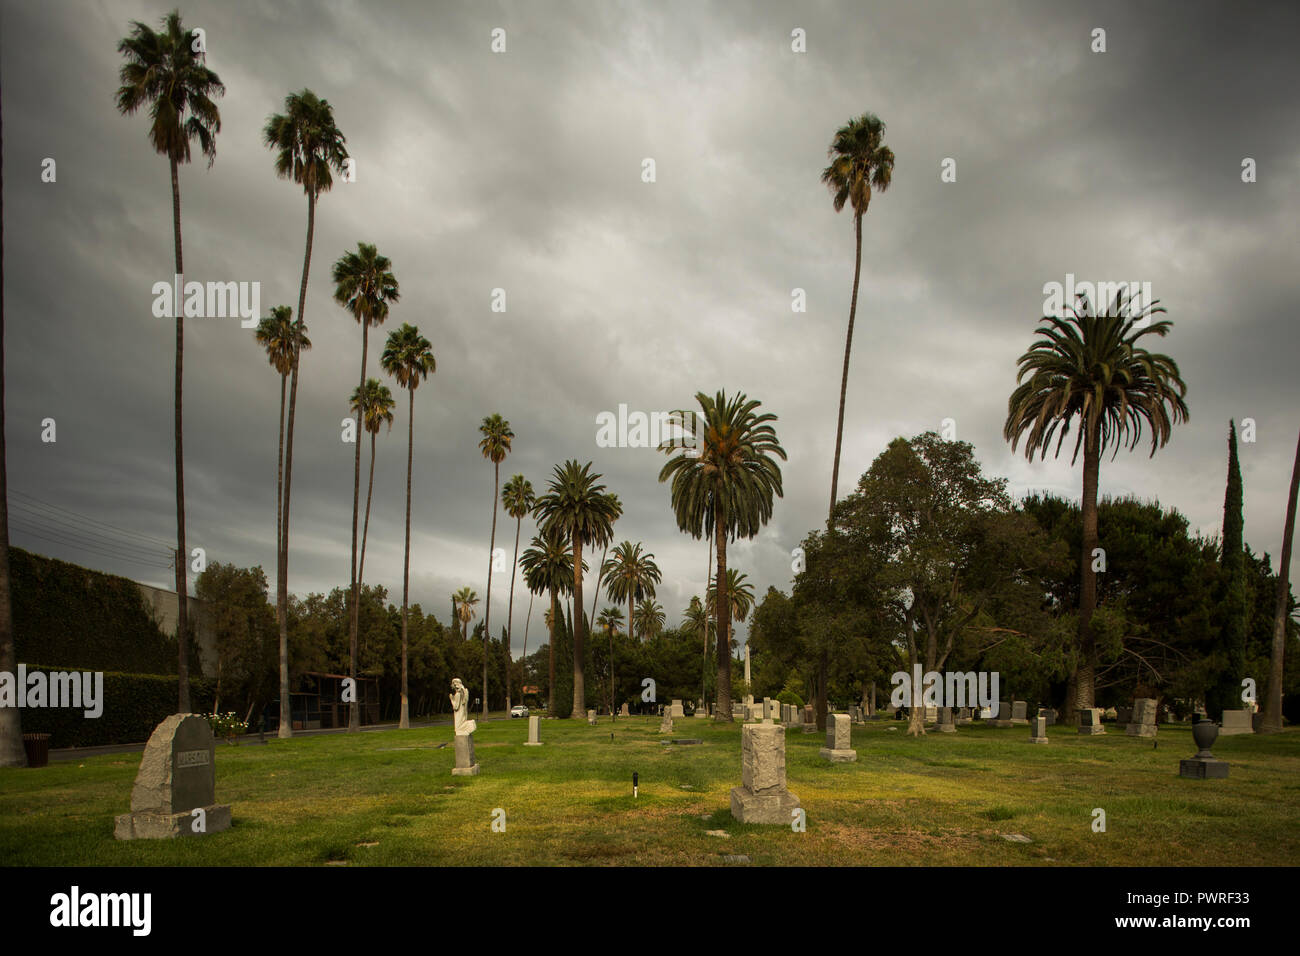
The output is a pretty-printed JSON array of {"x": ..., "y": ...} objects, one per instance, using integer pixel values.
[{"x": 1234, "y": 604}]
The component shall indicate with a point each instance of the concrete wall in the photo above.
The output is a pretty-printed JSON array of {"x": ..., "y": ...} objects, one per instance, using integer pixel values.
[{"x": 167, "y": 608}]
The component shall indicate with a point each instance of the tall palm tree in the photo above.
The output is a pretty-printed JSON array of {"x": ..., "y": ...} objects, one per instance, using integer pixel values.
[
  {"x": 1271, "y": 722},
  {"x": 495, "y": 445},
  {"x": 408, "y": 357},
  {"x": 518, "y": 498},
  {"x": 609, "y": 621},
  {"x": 734, "y": 474},
  {"x": 632, "y": 575},
  {"x": 740, "y": 594},
  {"x": 1091, "y": 367},
  {"x": 308, "y": 147},
  {"x": 463, "y": 601},
  {"x": 374, "y": 406},
  {"x": 364, "y": 285},
  {"x": 583, "y": 512},
  {"x": 649, "y": 618},
  {"x": 547, "y": 564},
  {"x": 12, "y": 753},
  {"x": 696, "y": 619},
  {"x": 859, "y": 161},
  {"x": 275, "y": 334},
  {"x": 164, "y": 70}
]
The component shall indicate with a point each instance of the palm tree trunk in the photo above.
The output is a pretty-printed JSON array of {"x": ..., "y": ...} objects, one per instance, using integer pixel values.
[
  {"x": 722, "y": 612},
  {"x": 365, "y": 527},
  {"x": 708, "y": 578},
  {"x": 555, "y": 610},
  {"x": 528, "y": 619},
  {"x": 1085, "y": 690},
  {"x": 404, "y": 721},
  {"x": 848, "y": 348},
  {"x": 579, "y": 634},
  {"x": 487, "y": 604},
  {"x": 182, "y": 556},
  {"x": 600, "y": 577},
  {"x": 279, "y": 468},
  {"x": 1271, "y": 722},
  {"x": 12, "y": 753},
  {"x": 282, "y": 570},
  {"x": 510, "y": 611},
  {"x": 354, "y": 714}
]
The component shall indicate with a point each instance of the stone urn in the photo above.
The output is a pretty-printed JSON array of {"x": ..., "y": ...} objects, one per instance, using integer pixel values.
[{"x": 1205, "y": 732}]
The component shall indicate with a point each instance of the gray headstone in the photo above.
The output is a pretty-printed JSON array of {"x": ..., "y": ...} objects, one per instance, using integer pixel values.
[
  {"x": 1090, "y": 721},
  {"x": 535, "y": 731},
  {"x": 1039, "y": 733},
  {"x": 762, "y": 796},
  {"x": 1236, "y": 722},
  {"x": 946, "y": 723},
  {"x": 839, "y": 746},
  {"x": 1018, "y": 710},
  {"x": 177, "y": 776}
]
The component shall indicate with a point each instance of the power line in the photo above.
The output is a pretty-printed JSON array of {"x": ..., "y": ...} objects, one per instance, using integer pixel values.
[
  {"x": 86, "y": 518},
  {"x": 67, "y": 527},
  {"x": 142, "y": 560}
]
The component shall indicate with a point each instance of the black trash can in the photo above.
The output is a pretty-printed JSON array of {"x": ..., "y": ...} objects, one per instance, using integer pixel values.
[{"x": 38, "y": 749}]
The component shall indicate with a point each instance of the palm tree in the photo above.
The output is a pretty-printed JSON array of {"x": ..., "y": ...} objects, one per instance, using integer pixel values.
[
  {"x": 697, "y": 620},
  {"x": 632, "y": 576},
  {"x": 275, "y": 334},
  {"x": 1271, "y": 722},
  {"x": 1091, "y": 366},
  {"x": 408, "y": 357},
  {"x": 164, "y": 70},
  {"x": 740, "y": 594},
  {"x": 609, "y": 621},
  {"x": 649, "y": 618},
  {"x": 580, "y": 510},
  {"x": 12, "y": 753},
  {"x": 859, "y": 160},
  {"x": 547, "y": 564},
  {"x": 374, "y": 406},
  {"x": 365, "y": 286},
  {"x": 495, "y": 445},
  {"x": 463, "y": 602},
  {"x": 518, "y": 498},
  {"x": 308, "y": 146},
  {"x": 734, "y": 475}
]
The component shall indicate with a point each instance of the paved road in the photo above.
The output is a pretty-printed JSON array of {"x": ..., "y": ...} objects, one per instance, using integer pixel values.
[{"x": 77, "y": 753}]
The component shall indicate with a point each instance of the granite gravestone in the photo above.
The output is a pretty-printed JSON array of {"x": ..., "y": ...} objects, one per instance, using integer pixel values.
[
  {"x": 1142, "y": 722},
  {"x": 947, "y": 723},
  {"x": 534, "y": 732},
  {"x": 1002, "y": 716},
  {"x": 1019, "y": 713},
  {"x": 177, "y": 776},
  {"x": 1090, "y": 721},
  {"x": 1236, "y": 722},
  {"x": 1038, "y": 733},
  {"x": 763, "y": 797},
  {"x": 839, "y": 747}
]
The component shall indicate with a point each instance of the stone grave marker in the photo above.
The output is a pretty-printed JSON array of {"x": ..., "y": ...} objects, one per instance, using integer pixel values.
[
  {"x": 1143, "y": 720},
  {"x": 177, "y": 776},
  {"x": 623, "y": 711},
  {"x": 1002, "y": 716},
  {"x": 1090, "y": 721},
  {"x": 1019, "y": 713},
  {"x": 666, "y": 724},
  {"x": 535, "y": 732},
  {"x": 1038, "y": 735},
  {"x": 1204, "y": 766},
  {"x": 1050, "y": 714},
  {"x": 677, "y": 710},
  {"x": 762, "y": 796},
  {"x": 591, "y": 717},
  {"x": 1236, "y": 722},
  {"x": 839, "y": 746},
  {"x": 963, "y": 716},
  {"x": 946, "y": 723}
]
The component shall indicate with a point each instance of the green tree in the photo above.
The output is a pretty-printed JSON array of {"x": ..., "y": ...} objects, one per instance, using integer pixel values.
[
  {"x": 167, "y": 70},
  {"x": 734, "y": 476},
  {"x": 243, "y": 623},
  {"x": 518, "y": 498},
  {"x": 275, "y": 334},
  {"x": 648, "y": 618},
  {"x": 548, "y": 569},
  {"x": 308, "y": 146},
  {"x": 464, "y": 601},
  {"x": 578, "y": 508},
  {"x": 632, "y": 575},
  {"x": 364, "y": 285},
  {"x": 609, "y": 621},
  {"x": 1091, "y": 366},
  {"x": 408, "y": 357},
  {"x": 1233, "y": 607},
  {"x": 495, "y": 445}
]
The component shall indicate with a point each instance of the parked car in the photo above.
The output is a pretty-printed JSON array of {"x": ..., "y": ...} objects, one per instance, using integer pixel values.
[{"x": 519, "y": 710}]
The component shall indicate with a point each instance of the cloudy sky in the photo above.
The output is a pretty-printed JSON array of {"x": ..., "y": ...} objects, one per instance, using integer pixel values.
[{"x": 522, "y": 171}]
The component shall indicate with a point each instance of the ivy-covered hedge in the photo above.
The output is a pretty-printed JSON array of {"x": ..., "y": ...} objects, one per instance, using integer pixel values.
[
  {"x": 87, "y": 620},
  {"x": 134, "y": 704}
]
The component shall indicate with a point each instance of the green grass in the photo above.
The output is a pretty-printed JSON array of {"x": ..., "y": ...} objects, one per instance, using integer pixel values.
[{"x": 388, "y": 798}]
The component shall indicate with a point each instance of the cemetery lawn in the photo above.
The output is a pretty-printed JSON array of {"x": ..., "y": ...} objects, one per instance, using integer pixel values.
[{"x": 388, "y": 798}]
